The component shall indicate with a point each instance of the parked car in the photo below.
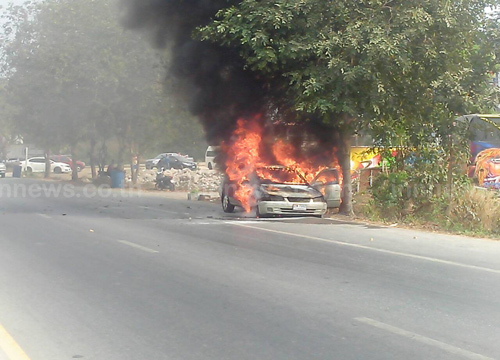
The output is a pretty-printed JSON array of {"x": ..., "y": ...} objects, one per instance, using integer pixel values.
[
  {"x": 153, "y": 163},
  {"x": 277, "y": 197},
  {"x": 327, "y": 182},
  {"x": 210, "y": 156},
  {"x": 176, "y": 162},
  {"x": 80, "y": 165},
  {"x": 11, "y": 162},
  {"x": 37, "y": 164},
  {"x": 3, "y": 169}
]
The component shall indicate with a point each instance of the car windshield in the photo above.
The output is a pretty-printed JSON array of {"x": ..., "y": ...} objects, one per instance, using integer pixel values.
[{"x": 279, "y": 175}]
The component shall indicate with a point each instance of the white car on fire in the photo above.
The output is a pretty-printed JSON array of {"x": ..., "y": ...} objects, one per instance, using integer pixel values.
[{"x": 273, "y": 195}]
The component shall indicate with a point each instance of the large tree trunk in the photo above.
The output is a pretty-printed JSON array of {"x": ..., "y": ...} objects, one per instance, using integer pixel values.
[
  {"x": 103, "y": 154},
  {"x": 74, "y": 167},
  {"x": 344, "y": 156},
  {"x": 134, "y": 168},
  {"x": 134, "y": 163},
  {"x": 92, "y": 157},
  {"x": 47, "y": 164},
  {"x": 122, "y": 150}
]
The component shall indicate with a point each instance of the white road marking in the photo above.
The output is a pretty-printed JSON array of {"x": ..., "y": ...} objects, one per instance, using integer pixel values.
[
  {"x": 45, "y": 216},
  {"x": 358, "y": 246},
  {"x": 243, "y": 222},
  {"x": 423, "y": 339},
  {"x": 10, "y": 347},
  {"x": 137, "y": 246}
]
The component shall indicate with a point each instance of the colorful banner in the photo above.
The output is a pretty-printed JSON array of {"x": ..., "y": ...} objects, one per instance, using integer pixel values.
[{"x": 486, "y": 164}]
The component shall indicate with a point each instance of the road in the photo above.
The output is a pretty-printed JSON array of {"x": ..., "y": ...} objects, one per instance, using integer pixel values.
[{"x": 140, "y": 276}]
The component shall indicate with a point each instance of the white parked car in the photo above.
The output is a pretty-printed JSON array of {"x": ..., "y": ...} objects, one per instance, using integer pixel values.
[{"x": 37, "y": 164}]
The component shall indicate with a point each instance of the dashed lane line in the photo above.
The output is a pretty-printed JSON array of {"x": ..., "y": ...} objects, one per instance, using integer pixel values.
[
  {"x": 466, "y": 354},
  {"x": 137, "y": 246}
]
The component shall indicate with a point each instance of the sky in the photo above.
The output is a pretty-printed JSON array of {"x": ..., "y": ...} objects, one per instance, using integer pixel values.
[{"x": 7, "y": 2}]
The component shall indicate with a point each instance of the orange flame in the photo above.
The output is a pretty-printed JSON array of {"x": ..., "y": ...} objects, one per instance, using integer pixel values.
[
  {"x": 244, "y": 159},
  {"x": 284, "y": 152}
]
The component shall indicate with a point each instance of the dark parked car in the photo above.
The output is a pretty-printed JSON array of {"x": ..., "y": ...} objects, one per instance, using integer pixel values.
[
  {"x": 176, "y": 162},
  {"x": 155, "y": 162}
]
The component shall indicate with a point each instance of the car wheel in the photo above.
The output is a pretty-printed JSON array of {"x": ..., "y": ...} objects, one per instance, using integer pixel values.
[
  {"x": 210, "y": 166},
  {"x": 226, "y": 204},
  {"x": 29, "y": 170},
  {"x": 3, "y": 175},
  {"x": 79, "y": 168},
  {"x": 57, "y": 170}
]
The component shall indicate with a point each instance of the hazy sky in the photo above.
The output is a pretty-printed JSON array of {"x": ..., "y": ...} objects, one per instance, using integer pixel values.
[{"x": 6, "y": 2}]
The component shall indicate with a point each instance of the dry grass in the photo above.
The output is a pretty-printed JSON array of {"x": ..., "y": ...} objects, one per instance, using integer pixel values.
[{"x": 476, "y": 209}]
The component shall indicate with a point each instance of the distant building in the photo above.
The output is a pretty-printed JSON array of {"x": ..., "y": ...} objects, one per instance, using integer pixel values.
[{"x": 19, "y": 151}]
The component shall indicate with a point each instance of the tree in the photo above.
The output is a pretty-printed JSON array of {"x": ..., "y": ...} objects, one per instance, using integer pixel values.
[
  {"x": 359, "y": 63},
  {"x": 8, "y": 135},
  {"x": 77, "y": 76}
]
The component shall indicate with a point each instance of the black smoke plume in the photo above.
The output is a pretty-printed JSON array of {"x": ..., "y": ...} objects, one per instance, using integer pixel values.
[{"x": 218, "y": 89}]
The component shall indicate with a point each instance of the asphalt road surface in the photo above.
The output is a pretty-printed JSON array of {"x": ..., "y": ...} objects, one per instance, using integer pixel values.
[{"x": 111, "y": 275}]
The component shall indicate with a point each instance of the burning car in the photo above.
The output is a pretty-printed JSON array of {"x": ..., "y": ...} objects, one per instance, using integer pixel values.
[{"x": 275, "y": 190}]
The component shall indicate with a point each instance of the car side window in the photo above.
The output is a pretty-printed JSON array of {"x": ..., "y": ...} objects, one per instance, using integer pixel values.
[{"x": 327, "y": 177}]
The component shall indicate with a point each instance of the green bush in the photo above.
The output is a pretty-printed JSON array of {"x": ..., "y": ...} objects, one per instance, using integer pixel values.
[
  {"x": 411, "y": 198},
  {"x": 390, "y": 195}
]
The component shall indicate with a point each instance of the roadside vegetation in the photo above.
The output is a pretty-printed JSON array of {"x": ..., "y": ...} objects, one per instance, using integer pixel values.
[
  {"x": 432, "y": 191},
  {"x": 466, "y": 209}
]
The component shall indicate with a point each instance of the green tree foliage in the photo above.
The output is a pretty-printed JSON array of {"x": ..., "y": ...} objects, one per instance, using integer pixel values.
[{"x": 389, "y": 66}]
